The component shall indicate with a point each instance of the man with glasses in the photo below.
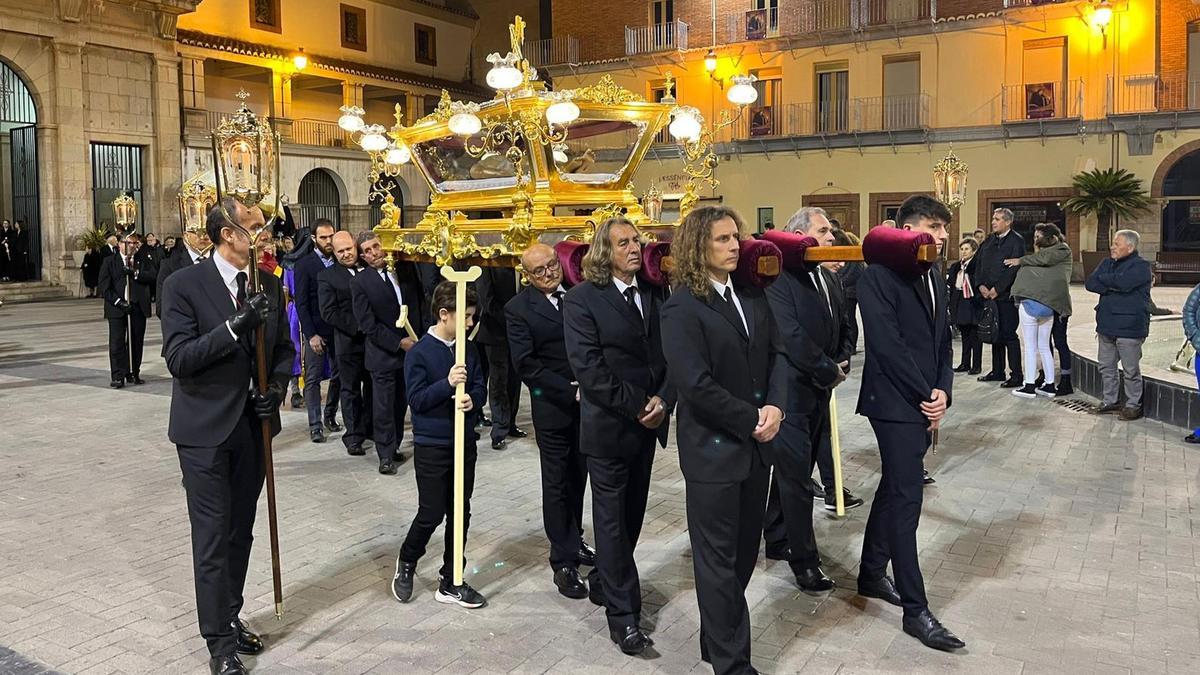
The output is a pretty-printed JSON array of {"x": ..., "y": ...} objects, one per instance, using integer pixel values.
[{"x": 539, "y": 352}]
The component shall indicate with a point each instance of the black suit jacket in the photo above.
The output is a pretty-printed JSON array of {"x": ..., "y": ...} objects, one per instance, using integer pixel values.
[
  {"x": 113, "y": 279},
  {"x": 337, "y": 309},
  {"x": 908, "y": 351},
  {"x": 496, "y": 286},
  {"x": 987, "y": 267},
  {"x": 307, "y": 303},
  {"x": 376, "y": 310},
  {"x": 178, "y": 259},
  {"x": 723, "y": 376},
  {"x": 815, "y": 341},
  {"x": 213, "y": 371},
  {"x": 617, "y": 357},
  {"x": 539, "y": 352}
]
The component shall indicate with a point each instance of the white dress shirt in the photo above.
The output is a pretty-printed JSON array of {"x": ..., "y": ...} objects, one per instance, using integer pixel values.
[
  {"x": 439, "y": 338},
  {"x": 196, "y": 257},
  {"x": 720, "y": 289},
  {"x": 637, "y": 297},
  {"x": 819, "y": 282},
  {"x": 390, "y": 277},
  {"x": 553, "y": 300},
  {"x": 229, "y": 276}
]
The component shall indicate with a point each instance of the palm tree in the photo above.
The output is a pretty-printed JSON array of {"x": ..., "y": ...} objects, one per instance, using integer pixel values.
[{"x": 1105, "y": 193}]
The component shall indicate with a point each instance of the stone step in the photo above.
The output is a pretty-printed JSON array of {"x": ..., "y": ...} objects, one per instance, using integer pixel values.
[{"x": 32, "y": 291}]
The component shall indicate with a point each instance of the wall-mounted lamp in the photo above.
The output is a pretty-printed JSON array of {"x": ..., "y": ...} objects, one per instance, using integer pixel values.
[
  {"x": 300, "y": 60},
  {"x": 1101, "y": 16},
  {"x": 710, "y": 63}
]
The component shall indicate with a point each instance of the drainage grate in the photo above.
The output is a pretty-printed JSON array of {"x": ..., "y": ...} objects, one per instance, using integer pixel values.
[{"x": 1076, "y": 405}]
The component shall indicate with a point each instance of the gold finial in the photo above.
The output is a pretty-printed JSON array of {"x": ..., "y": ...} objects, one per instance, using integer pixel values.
[
  {"x": 669, "y": 86},
  {"x": 243, "y": 95},
  {"x": 516, "y": 35},
  {"x": 399, "y": 117}
]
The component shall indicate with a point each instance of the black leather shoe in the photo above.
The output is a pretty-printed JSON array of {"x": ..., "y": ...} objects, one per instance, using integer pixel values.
[
  {"x": 517, "y": 433},
  {"x": 779, "y": 552},
  {"x": 387, "y": 467},
  {"x": 926, "y": 628},
  {"x": 813, "y": 580},
  {"x": 962, "y": 368},
  {"x": 135, "y": 379},
  {"x": 1110, "y": 409},
  {"x": 500, "y": 444},
  {"x": 992, "y": 377},
  {"x": 399, "y": 458},
  {"x": 332, "y": 424},
  {"x": 926, "y": 479},
  {"x": 226, "y": 665},
  {"x": 356, "y": 450},
  {"x": 587, "y": 554},
  {"x": 569, "y": 583},
  {"x": 974, "y": 371},
  {"x": 1012, "y": 383},
  {"x": 317, "y": 435},
  {"x": 247, "y": 642},
  {"x": 485, "y": 420},
  {"x": 883, "y": 588},
  {"x": 117, "y": 384},
  {"x": 631, "y": 640},
  {"x": 297, "y": 401}
]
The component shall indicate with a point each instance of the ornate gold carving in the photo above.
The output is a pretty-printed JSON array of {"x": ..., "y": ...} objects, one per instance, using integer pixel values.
[
  {"x": 441, "y": 113},
  {"x": 606, "y": 92}
]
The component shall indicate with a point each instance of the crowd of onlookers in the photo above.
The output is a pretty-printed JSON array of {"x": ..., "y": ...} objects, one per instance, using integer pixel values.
[{"x": 15, "y": 263}]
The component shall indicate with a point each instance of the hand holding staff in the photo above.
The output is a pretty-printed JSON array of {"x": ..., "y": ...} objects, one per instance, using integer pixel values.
[{"x": 404, "y": 323}]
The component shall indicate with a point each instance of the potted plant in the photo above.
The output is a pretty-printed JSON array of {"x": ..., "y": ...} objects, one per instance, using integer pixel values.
[{"x": 90, "y": 238}]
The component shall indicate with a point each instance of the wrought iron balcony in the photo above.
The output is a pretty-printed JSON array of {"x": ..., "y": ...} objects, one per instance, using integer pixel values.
[
  {"x": 805, "y": 17},
  {"x": 831, "y": 117},
  {"x": 555, "y": 51},
  {"x": 1041, "y": 101},
  {"x": 1151, "y": 93},
  {"x": 659, "y": 37}
]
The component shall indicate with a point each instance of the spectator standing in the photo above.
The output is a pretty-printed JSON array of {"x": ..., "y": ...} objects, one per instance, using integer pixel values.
[
  {"x": 994, "y": 281},
  {"x": 1191, "y": 329},
  {"x": 1043, "y": 291},
  {"x": 1122, "y": 322},
  {"x": 964, "y": 307}
]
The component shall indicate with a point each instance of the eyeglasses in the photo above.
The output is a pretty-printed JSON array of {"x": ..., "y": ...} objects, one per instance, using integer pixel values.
[{"x": 545, "y": 270}]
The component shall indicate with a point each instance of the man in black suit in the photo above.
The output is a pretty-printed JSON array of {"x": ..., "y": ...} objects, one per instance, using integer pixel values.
[
  {"x": 125, "y": 283},
  {"x": 18, "y": 247},
  {"x": 337, "y": 310},
  {"x": 726, "y": 362},
  {"x": 907, "y": 374},
  {"x": 994, "y": 279},
  {"x": 535, "y": 338},
  {"x": 377, "y": 295},
  {"x": 496, "y": 286},
  {"x": 614, "y": 348},
  {"x": 195, "y": 250},
  {"x": 208, "y": 327},
  {"x": 317, "y": 335}
]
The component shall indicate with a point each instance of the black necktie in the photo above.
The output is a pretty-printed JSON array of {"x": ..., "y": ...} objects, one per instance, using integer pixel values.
[
  {"x": 202, "y": 258},
  {"x": 558, "y": 299},
  {"x": 927, "y": 292},
  {"x": 731, "y": 310},
  {"x": 729, "y": 295},
  {"x": 241, "y": 292},
  {"x": 631, "y": 297}
]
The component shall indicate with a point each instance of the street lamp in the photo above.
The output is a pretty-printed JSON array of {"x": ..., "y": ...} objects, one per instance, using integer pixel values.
[
  {"x": 1101, "y": 16},
  {"x": 950, "y": 180},
  {"x": 125, "y": 212},
  {"x": 300, "y": 60}
]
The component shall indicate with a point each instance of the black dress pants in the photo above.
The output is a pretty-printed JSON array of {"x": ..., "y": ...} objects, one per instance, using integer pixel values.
[
  {"x": 1058, "y": 336},
  {"x": 126, "y": 334},
  {"x": 1009, "y": 344},
  {"x": 389, "y": 408},
  {"x": 357, "y": 399},
  {"x": 564, "y": 478},
  {"x": 223, "y": 485},
  {"x": 972, "y": 346},
  {"x": 314, "y": 372},
  {"x": 891, "y": 533},
  {"x": 434, "y": 468},
  {"x": 504, "y": 390},
  {"x": 789, "y": 512},
  {"x": 724, "y": 524},
  {"x": 620, "y": 487}
]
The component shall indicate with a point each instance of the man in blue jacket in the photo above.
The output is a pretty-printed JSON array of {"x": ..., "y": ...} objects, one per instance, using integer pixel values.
[{"x": 1122, "y": 322}]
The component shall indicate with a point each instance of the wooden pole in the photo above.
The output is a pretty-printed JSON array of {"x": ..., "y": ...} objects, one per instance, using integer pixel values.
[
  {"x": 836, "y": 447},
  {"x": 460, "y": 279},
  {"x": 260, "y": 337}
]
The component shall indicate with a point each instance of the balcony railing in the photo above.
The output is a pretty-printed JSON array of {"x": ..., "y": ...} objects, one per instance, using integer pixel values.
[
  {"x": 659, "y": 37},
  {"x": 1010, "y": 4},
  {"x": 890, "y": 12},
  {"x": 753, "y": 24},
  {"x": 855, "y": 115},
  {"x": 1152, "y": 93},
  {"x": 316, "y": 132},
  {"x": 553, "y": 52},
  {"x": 1041, "y": 101}
]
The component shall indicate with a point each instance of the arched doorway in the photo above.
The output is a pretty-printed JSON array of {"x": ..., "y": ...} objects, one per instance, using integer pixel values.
[
  {"x": 18, "y": 177},
  {"x": 1181, "y": 217},
  {"x": 319, "y": 198}
]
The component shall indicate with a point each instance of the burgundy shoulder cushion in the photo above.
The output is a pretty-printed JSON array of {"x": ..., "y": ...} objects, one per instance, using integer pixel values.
[
  {"x": 896, "y": 249},
  {"x": 652, "y": 262},
  {"x": 570, "y": 257},
  {"x": 792, "y": 246},
  {"x": 759, "y": 262}
]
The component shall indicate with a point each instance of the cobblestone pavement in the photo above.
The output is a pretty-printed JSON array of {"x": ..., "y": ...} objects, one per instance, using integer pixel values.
[{"x": 1052, "y": 542}]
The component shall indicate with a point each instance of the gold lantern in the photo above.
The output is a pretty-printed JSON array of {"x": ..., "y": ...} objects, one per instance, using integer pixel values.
[
  {"x": 125, "y": 212},
  {"x": 196, "y": 197},
  {"x": 950, "y": 180},
  {"x": 246, "y": 161}
]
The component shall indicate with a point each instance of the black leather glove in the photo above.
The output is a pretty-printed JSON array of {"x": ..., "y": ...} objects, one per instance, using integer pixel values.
[
  {"x": 266, "y": 404},
  {"x": 122, "y": 304},
  {"x": 130, "y": 271},
  {"x": 250, "y": 316}
]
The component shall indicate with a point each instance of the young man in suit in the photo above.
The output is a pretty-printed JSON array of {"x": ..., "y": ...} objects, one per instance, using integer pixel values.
[
  {"x": 126, "y": 312},
  {"x": 337, "y": 310},
  {"x": 907, "y": 375},
  {"x": 535, "y": 339},
  {"x": 317, "y": 335},
  {"x": 496, "y": 286},
  {"x": 216, "y": 418},
  {"x": 377, "y": 295},
  {"x": 615, "y": 350},
  {"x": 195, "y": 250},
  {"x": 726, "y": 362}
]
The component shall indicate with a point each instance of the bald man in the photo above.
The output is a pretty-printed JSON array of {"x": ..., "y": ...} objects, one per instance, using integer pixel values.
[
  {"x": 337, "y": 310},
  {"x": 535, "y": 340}
]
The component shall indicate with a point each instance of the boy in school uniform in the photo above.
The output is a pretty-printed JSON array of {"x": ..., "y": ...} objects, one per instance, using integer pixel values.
[{"x": 431, "y": 376}]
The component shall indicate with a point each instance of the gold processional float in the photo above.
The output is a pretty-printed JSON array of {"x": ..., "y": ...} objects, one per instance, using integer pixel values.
[{"x": 531, "y": 165}]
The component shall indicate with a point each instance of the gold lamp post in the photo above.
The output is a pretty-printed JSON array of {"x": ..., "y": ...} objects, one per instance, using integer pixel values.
[
  {"x": 246, "y": 168},
  {"x": 950, "y": 180},
  {"x": 125, "y": 211}
]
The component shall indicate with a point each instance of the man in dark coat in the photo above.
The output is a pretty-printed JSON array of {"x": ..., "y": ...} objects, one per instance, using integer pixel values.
[
  {"x": 539, "y": 352},
  {"x": 18, "y": 248},
  {"x": 1123, "y": 282},
  {"x": 614, "y": 346},
  {"x": 994, "y": 279},
  {"x": 196, "y": 249},
  {"x": 208, "y": 324},
  {"x": 905, "y": 392},
  {"x": 317, "y": 335},
  {"x": 496, "y": 286},
  {"x": 337, "y": 310},
  {"x": 125, "y": 284}
]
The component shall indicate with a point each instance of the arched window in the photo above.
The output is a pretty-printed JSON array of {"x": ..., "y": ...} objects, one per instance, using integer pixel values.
[
  {"x": 1181, "y": 217},
  {"x": 19, "y": 198},
  {"x": 319, "y": 198}
]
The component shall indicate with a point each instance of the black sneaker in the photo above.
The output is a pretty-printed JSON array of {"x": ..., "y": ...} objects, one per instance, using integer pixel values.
[
  {"x": 1028, "y": 391},
  {"x": 1011, "y": 383},
  {"x": 1064, "y": 386},
  {"x": 1047, "y": 390},
  {"x": 463, "y": 596},
  {"x": 402, "y": 583},
  {"x": 849, "y": 501}
]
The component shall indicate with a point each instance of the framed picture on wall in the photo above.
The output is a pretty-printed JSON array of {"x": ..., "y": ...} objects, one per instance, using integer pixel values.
[
  {"x": 1039, "y": 101},
  {"x": 756, "y": 24},
  {"x": 766, "y": 218}
]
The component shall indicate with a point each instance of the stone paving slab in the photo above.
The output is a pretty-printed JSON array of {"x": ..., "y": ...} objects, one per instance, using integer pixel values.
[{"x": 1053, "y": 541}]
